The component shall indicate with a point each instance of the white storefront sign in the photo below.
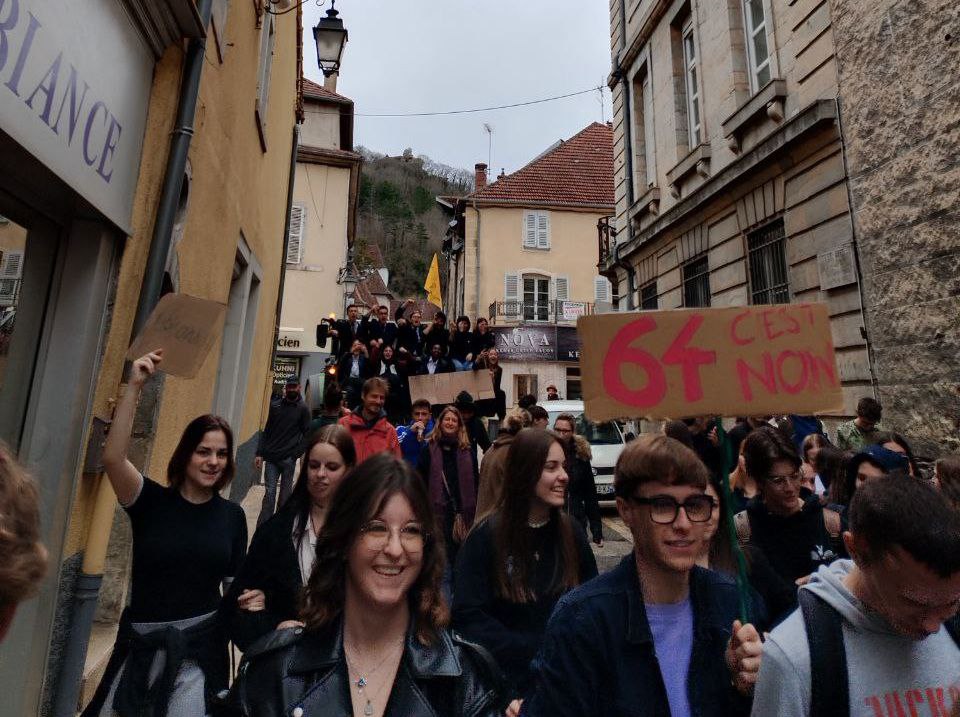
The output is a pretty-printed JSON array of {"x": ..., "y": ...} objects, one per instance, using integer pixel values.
[
  {"x": 75, "y": 82},
  {"x": 573, "y": 309}
]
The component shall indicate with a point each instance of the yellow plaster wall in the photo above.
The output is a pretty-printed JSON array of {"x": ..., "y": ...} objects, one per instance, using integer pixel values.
[
  {"x": 572, "y": 253},
  {"x": 236, "y": 186}
]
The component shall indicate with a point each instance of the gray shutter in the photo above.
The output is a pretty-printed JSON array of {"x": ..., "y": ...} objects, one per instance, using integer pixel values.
[
  {"x": 530, "y": 230},
  {"x": 601, "y": 290},
  {"x": 11, "y": 268},
  {"x": 295, "y": 237},
  {"x": 561, "y": 289},
  {"x": 543, "y": 230},
  {"x": 511, "y": 294}
]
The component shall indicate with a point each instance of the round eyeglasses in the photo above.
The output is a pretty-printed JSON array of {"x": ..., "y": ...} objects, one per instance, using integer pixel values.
[
  {"x": 781, "y": 482},
  {"x": 664, "y": 509},
  {"x": 376, "y": 534}
]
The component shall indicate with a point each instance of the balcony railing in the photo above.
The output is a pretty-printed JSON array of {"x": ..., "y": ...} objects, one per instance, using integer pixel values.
[
  {"x": 543, "y": 312},
  {"x": 606, "y": 239}
]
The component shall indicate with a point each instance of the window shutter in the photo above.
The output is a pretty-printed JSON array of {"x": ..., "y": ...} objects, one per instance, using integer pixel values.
[
  {"x": 12, "y": 265},
  {"x": 561, "y": 288},
  {"x": 601, "y": 290},
  {"x": 530, "y": 230},
  {"x": 295, "y": 237},
  {"x": 543, "y": 230},
  {"x": 511, "y": 294}
]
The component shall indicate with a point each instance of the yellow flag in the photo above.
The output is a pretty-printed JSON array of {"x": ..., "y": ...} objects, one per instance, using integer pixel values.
[{"x": 432, "y": 284}]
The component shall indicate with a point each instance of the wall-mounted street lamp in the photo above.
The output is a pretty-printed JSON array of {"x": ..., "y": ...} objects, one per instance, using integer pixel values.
[{"x": 331, "y": 37}]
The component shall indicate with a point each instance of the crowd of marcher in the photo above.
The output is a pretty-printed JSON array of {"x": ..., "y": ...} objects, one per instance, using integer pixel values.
[{"x": 425, "y": 570}]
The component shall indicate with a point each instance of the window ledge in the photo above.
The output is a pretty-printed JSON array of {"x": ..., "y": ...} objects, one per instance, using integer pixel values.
[
  {"x": 698, "y": 160},
  {"x": 646, "y": 203},
  {"x": 768, "y": 102}
]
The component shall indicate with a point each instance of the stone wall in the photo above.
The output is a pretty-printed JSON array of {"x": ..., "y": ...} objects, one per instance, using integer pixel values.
[{"x": 900, "y": 112}]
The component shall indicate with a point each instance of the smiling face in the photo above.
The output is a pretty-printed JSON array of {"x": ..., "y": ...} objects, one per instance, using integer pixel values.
[
  {"x": 208, "y": 461},
  {"x": 781, "y": 489},
  {"x": 436, "y": 351},
  {"x": 373, "y": 401},
  {"x": 664, "y": 548},
  {"x": 449, "y": 424},
  {"x": 551, "y": 490},
  {"x": 325, "y": 470},
  {"x": 382, "y": 569}
]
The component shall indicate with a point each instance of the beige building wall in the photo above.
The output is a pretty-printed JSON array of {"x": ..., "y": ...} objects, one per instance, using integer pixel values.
[
  {"x": 310, "y": 290},
  {"x": 321, "y": 125},
  {"x": 572, "y": 254},
  {"x": 767, "y": 155}
]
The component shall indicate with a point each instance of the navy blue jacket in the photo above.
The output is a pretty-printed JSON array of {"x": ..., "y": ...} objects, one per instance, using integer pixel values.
[{"x": 598, "y": 657}]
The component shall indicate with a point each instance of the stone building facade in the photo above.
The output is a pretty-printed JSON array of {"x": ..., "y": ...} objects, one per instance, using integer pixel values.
[
  {"x": 899, "y": 94},
  {"x": 731, "y": 184}
]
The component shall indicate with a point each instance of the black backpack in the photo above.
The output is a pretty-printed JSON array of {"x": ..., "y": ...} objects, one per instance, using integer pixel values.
[{"x": 829, "y": 688}]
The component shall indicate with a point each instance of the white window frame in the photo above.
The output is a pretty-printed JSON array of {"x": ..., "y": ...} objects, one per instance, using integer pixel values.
[
  {"x": 649, "y": 136},
  {"x": 536, "y": 230},
  {"x": 756, "y": 66},
  {"x": 691, "y": 70},
  {"x": 551, "y": 290},
  {"x": 298, "y": 221},
  {"x": 267, "y": 41}
]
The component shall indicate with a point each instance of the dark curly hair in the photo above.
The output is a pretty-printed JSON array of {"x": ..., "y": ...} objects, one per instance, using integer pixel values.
[{"x": 359, "y": 498}]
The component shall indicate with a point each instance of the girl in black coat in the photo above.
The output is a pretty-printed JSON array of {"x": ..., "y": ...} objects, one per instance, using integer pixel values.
[
  {"x": 582, "y": 502},
  {"x": 516, "y": 565},
  {"x": 266, "y": 591}
]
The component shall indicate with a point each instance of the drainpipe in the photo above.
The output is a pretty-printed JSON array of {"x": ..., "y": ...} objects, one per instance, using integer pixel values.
[
  {"x": 477, "y": 253},
  {"x": 95, "y": 551},
  {"x": 295, "y": 144}
]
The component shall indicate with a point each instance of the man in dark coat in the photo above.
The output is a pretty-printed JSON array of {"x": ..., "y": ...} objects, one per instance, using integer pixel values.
[
  {"x": 279, "y": 446},
  {"x": 345, "y": 331}
]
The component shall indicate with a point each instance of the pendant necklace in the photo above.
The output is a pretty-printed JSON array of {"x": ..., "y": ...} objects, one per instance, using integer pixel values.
[{"x": 363, "y": 680}]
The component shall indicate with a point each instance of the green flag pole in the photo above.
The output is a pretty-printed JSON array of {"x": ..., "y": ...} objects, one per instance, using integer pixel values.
[{"x": 743, "y": 584}]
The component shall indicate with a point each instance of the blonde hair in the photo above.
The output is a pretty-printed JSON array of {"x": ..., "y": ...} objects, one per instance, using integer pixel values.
[
  {"x": 24, "y": 558},
  {"x": 463, "y": 440}
]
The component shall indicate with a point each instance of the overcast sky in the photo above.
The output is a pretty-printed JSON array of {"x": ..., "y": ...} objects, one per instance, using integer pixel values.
[{"x": 437, "y": 55}]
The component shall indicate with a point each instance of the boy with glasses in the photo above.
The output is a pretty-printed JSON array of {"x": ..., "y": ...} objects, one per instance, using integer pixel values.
[
  {"x": 796, "y": 534},
  {"x": 657, "y": 635}
]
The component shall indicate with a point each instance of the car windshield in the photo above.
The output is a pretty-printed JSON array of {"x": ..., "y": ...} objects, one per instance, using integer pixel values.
[{"x": 605, "y": 433}]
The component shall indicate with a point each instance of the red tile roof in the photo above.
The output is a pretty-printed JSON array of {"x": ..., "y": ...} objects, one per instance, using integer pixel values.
[
  {"x": 317, "y": 92},
  {"x": 577, "y": 172}
]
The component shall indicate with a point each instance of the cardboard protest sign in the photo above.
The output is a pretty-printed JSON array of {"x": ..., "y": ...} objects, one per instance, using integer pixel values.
[
  {"x": 737, "y": 361},
  {"x": 443, "y": 388},
  {"x": 185, "y": 328}
]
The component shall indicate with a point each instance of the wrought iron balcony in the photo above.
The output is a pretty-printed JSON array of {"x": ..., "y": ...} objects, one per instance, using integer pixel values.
[
  {"x": 542, "y": 312},
  {"x": 606, "y": 239}
]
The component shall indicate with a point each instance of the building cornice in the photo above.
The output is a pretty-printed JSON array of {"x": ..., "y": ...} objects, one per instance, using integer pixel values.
[{"x": 813, "y": 117}]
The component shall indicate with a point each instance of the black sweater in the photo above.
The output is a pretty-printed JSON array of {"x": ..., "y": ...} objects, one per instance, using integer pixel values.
[
  {"x": 512, "y": 632},
  {"x": 282, "y": 437},
  {"x": 795, "y": 545}
]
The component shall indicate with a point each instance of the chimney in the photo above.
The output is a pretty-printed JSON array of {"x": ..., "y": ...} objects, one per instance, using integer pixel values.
[
  {"x": 330, "y": 81},
  {"x": 481, "y": 175}
]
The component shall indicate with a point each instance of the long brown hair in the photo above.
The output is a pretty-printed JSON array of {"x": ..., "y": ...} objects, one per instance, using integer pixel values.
[
  {"x": 526, "y": 458},
  {"x": 463, "y": 440},
  {"x": 24, "y": 558},
  {"x": 360, "y": 497},
  {"x": 192, "y": 437}
]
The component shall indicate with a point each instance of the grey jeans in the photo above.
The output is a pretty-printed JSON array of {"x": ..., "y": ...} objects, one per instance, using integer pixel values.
[{"x": 282, "y": 470}]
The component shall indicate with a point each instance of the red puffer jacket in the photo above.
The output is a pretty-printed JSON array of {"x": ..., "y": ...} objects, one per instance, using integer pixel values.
[{"x": 372, "y": 438}]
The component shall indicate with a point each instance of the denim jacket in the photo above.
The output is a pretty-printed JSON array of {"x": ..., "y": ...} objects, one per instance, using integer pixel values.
[{"x": 598, "y": 655}]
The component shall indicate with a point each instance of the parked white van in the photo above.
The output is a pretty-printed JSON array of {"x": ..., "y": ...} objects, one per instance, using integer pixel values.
[{"x": 606, "y": 442}]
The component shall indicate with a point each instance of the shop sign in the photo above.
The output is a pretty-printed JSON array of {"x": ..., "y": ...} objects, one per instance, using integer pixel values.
[
  {"x": 568, "y": 344},
  {"x": 526, "y": 343},
  {"x": 284, "y": 369},
  {"x": 75, "y": 80},
  {"x": 572, "y": 310},
  {"x": 289, "y": 341}
]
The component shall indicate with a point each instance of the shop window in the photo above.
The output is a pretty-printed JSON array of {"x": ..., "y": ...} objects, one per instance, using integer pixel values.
[
  {"x": 573, "y": 384},
  {"x": 523, "y": 384},
  {"x": 768, "y": 265},
  {"x": 696, "y": 282}
]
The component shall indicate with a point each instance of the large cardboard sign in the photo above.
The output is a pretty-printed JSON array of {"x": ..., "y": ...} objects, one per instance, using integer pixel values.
[
  {"x": 443, "y": 388},
  {"x": 747, "y": 360},
  {"x": 185, "y": 327}
]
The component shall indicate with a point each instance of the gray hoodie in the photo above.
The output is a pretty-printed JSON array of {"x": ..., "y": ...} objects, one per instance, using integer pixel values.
[{"x": 889, "y": 675}]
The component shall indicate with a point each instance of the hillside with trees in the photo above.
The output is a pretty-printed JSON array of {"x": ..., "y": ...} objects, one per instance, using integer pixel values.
[{"x": 398, "y": 213}]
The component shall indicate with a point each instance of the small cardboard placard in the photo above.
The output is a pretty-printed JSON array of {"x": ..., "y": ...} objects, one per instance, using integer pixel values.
[
  {"x": 185, "y": 327},
  {"x": 737, "y": 361},
  {"x": 441, "y": 388}
]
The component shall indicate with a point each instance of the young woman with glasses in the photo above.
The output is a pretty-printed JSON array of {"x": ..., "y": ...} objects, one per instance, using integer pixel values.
[
  {"x": 796, "y": 535},
  {"x": 515, "y": 566},
  {"x": 374, "y": 640},
  {"x": 266, "y": 592}
]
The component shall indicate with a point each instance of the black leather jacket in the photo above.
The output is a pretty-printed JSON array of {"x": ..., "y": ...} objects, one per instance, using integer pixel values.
[{"x": 294, "y": 668}]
